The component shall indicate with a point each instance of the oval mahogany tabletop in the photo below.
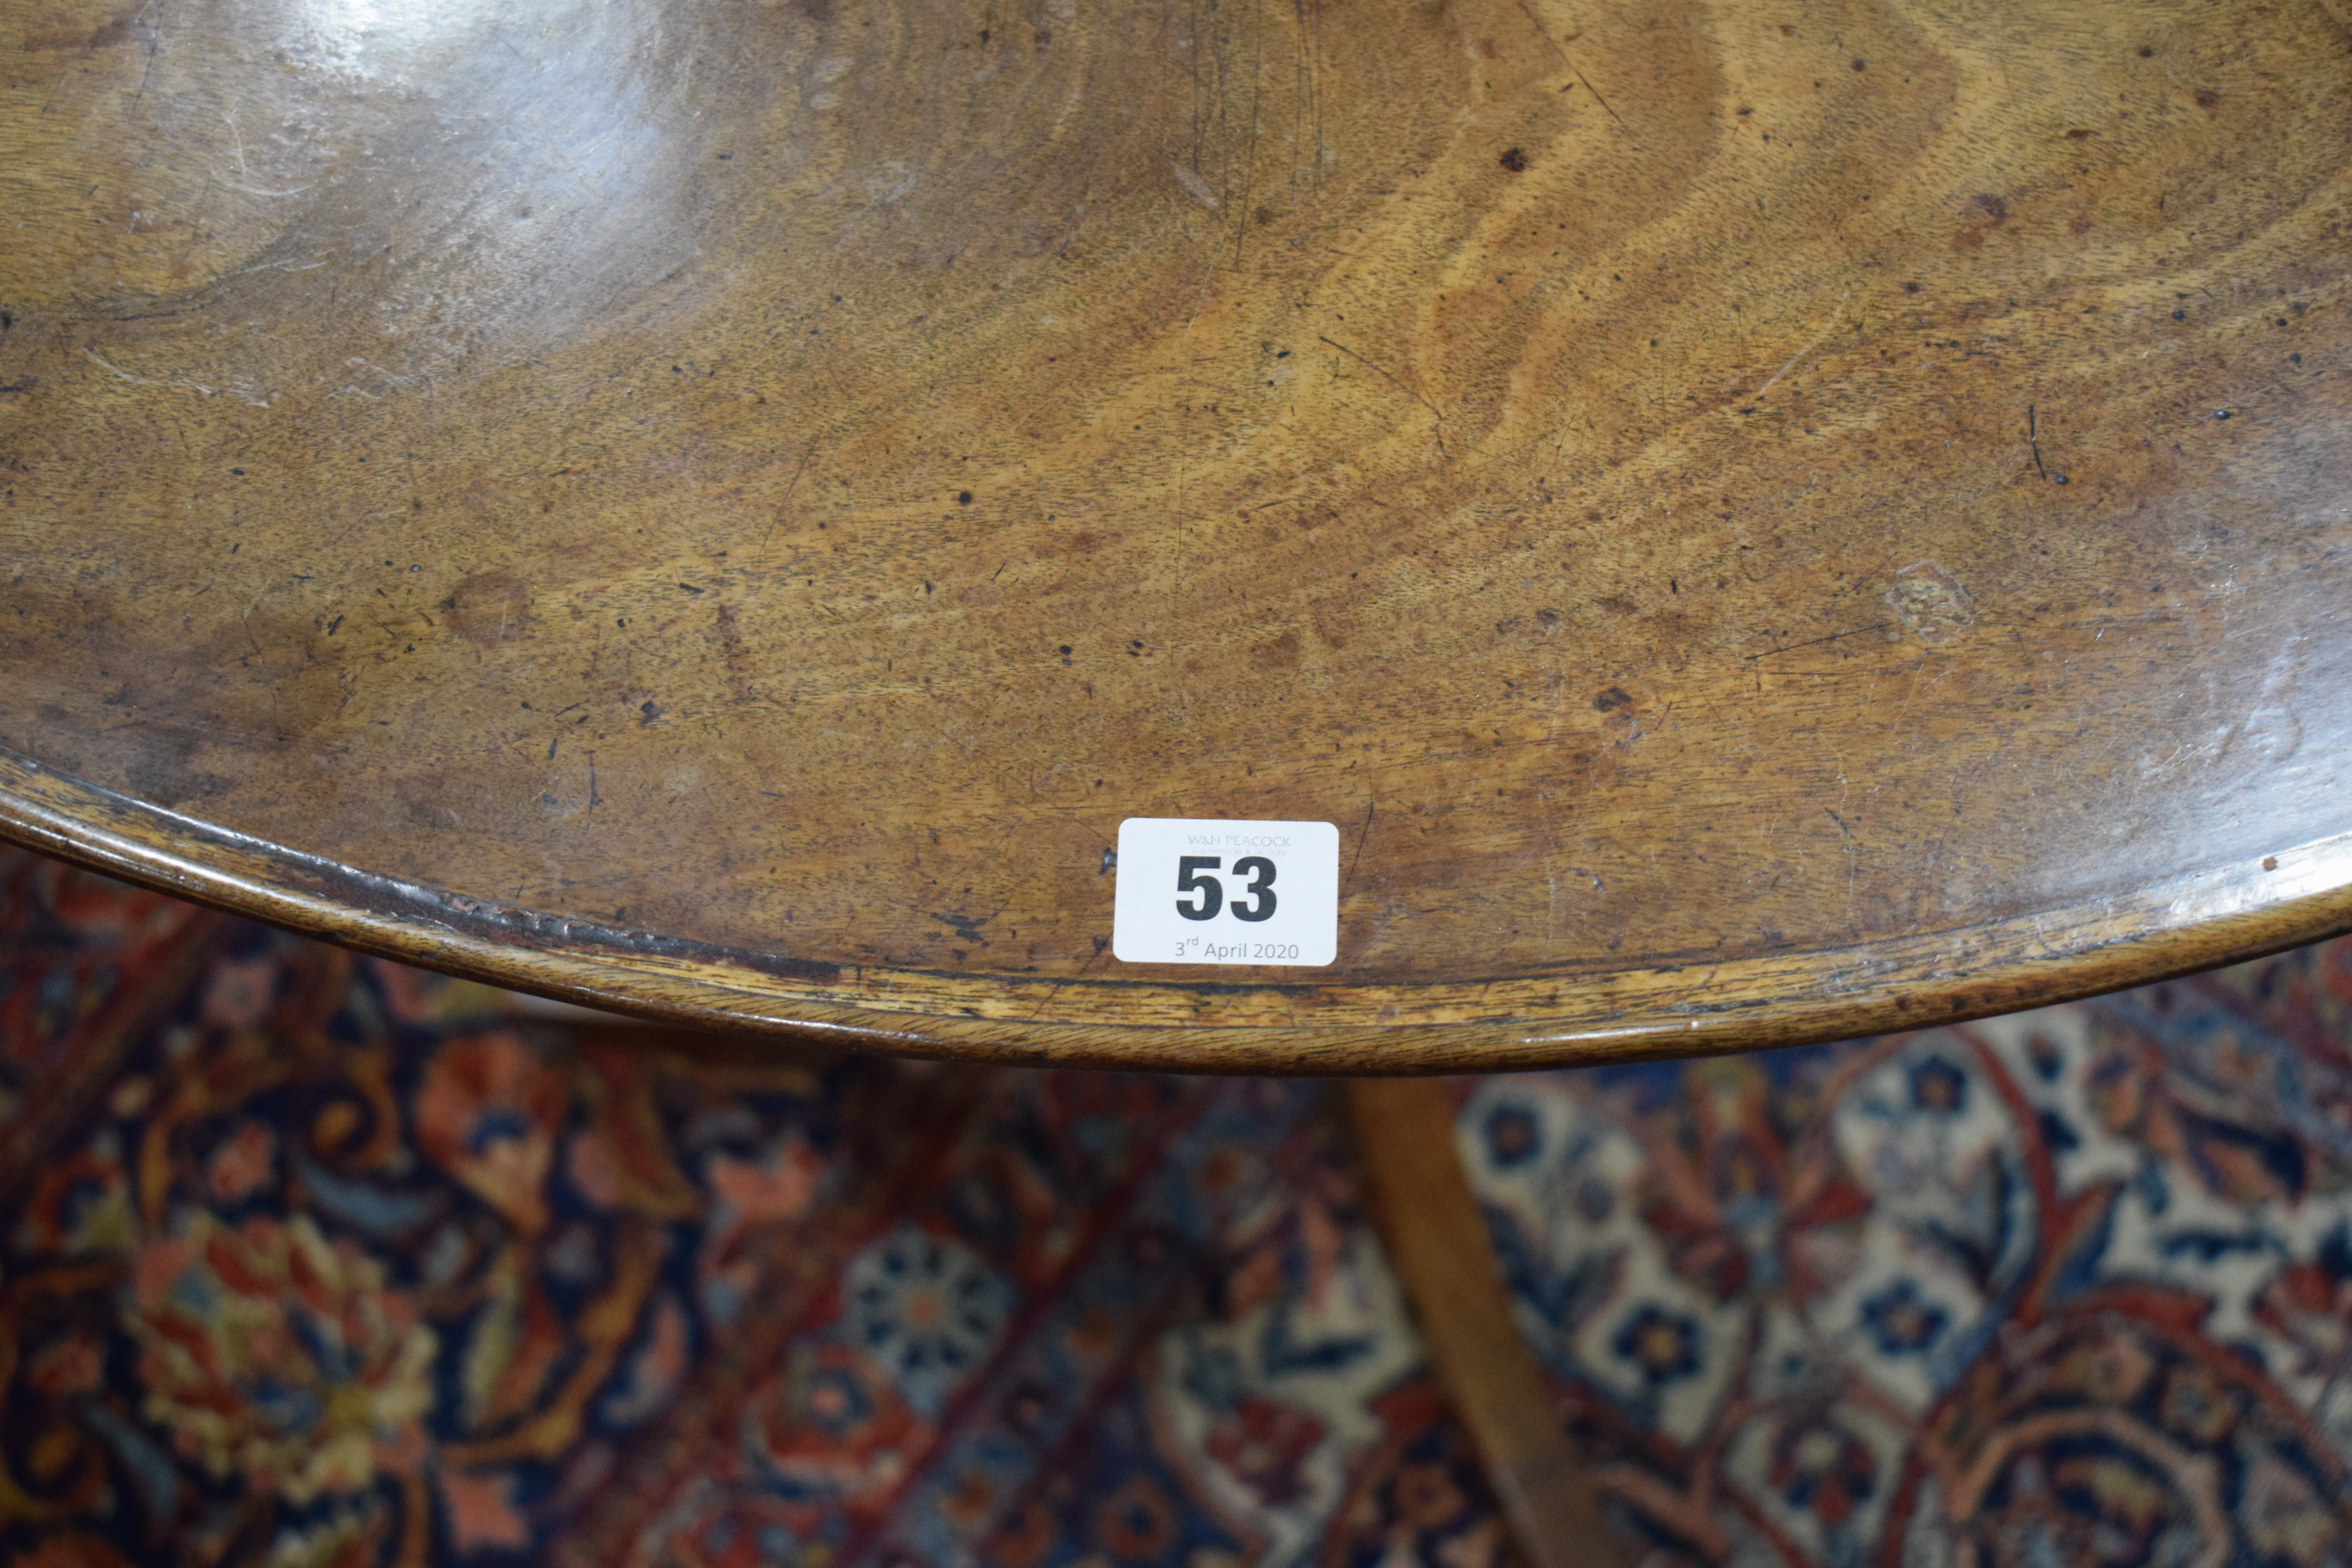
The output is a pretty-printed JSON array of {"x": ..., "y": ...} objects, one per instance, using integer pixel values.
[{"x": 1753, "y": 520}]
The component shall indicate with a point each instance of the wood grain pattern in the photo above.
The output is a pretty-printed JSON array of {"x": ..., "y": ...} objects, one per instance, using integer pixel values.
[
  {"x": 1756, "y": 522},
  {"x": 1437, "y": 1239}
]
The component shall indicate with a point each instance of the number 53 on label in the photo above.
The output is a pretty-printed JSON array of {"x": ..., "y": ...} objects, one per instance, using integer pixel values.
[{"x": 1210, "y": 891}]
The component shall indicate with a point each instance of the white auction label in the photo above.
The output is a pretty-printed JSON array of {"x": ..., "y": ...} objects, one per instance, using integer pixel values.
[{"x": 1201, "y": 892}]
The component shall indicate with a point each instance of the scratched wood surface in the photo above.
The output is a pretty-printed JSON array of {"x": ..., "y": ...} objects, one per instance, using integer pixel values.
[{"x": 1757, "y": 521}]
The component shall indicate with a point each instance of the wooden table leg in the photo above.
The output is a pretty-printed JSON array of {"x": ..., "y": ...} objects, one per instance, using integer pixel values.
[{"x": 1438, "y": 1242}]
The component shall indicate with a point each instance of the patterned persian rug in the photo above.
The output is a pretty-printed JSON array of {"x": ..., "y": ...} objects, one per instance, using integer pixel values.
[{"x": 313, "y": 1259}]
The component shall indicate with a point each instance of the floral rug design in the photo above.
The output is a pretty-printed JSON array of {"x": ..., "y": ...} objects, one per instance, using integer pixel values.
[{"x": 315, "y": 1259}]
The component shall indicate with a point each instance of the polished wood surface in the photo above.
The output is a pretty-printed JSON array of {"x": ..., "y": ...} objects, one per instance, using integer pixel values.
[
  {"x": 1756, "y": 522},
  {"x": 1437, "y": 1240}
]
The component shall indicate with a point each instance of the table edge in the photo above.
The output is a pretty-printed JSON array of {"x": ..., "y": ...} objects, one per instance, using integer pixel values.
[{"x": 1611, "y": 1016}]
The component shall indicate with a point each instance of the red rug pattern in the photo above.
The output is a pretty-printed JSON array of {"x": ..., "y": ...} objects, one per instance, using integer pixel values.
[{"x": 314, "y": 1260}]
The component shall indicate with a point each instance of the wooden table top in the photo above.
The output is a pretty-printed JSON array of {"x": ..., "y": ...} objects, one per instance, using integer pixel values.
[{"x": 1755, "y": 522}]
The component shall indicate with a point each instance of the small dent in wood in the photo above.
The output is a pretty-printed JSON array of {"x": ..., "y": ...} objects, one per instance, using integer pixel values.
[
  {"x": 488, "y": 607},
  {"x": 1930, "y": 602}
]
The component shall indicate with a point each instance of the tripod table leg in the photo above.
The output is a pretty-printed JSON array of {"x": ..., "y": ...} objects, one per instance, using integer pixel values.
[{"x": 1438, "y": 1241}]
